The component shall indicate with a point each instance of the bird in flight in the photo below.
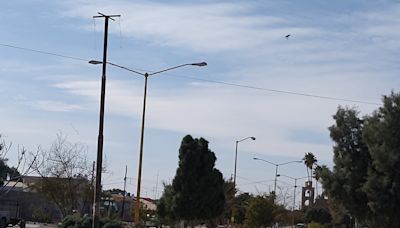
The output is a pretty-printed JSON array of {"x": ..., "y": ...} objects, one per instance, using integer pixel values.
[{"x": 287, "y": 36}]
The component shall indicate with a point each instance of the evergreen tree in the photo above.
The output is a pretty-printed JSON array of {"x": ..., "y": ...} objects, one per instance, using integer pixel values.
[
  {"x": 164, "y": 206},
  {"x": 382, "y": 135},
  {"x": 351, "y": 160},
  {"x": 260, "y": 211},
  {"x": 198, "y": 186}
]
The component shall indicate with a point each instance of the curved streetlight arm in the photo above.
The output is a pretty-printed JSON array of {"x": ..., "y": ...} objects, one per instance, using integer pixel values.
[
  {"x": 171, "y": 68},
  {"x": 116, "y": 65},
  {"x": 293, "y": 178},
  {"x": 290, "y": 162},
  {"x": 260, "y": 159},
  {"x": 125, "y": 68},
  {"x": 251, "y": 137},
  {"x": 148, "y": 74}
]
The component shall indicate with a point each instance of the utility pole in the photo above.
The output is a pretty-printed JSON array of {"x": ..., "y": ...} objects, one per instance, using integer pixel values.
[
  {"x": 123, "y": 199},
  {"x": 99, "y": 163},
  {"x": 156, "y": 195}
]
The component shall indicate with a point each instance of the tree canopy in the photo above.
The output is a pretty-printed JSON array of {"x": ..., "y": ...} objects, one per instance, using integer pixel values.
[
  {"x": 365, "y": 178},
  {"x": 309, "y": 161},
  {"x": 351, "y": 158},
  {"x": 382, "y": 136},
  {"x": 259, "y": 213},
  {"x": 165, "y": 204},
  {"x": 198, "y": 186}
]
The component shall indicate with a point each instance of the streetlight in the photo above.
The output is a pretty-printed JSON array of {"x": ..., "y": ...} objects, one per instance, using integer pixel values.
[
  {"x": 145, "y": 75},
  {"x": 294, "y": 192},
  {"x": 237, "y": 142},
  {"x": 234, "y": 174},
  {"x": 276, "y": 168}
]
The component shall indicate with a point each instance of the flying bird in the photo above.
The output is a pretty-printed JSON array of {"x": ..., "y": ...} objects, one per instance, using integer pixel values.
[{"x": 287, "y": 36}]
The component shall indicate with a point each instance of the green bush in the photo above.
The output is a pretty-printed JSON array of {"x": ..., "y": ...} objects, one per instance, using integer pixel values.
[
  {"x": 318, "y": 215},
  {"x": 112, "y": 224},
  {"x": 76, "y": 221}
]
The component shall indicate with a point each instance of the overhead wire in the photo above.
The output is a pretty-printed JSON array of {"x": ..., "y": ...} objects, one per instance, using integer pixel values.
[
  {"x": 42, "y": 52},
  {"x": 279, "y": 91},
  {"x": 209, "y": 80}
]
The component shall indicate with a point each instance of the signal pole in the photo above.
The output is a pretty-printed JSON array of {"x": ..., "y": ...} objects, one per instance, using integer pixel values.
[{"x": 97, "y": 187}]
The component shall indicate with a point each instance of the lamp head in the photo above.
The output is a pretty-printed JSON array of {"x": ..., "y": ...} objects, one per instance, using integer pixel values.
[
  {"x": 199, "y": 64},
  {"x": 256, "y": 159},
  {"x": 253, "y": 138},
  {"x": 278, "y": 175},
  {"x": 95, "y": 62}
]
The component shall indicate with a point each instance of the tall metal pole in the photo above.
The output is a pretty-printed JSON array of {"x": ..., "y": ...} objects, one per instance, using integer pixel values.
[
  {"x": 294, "y": 199},
  {"x": 276, "y": 176},
  {"x": 123, "y": 199},
  {"x": 234, "y": 172},
  {"x": 234, "y": 184},
  {"x": 146, "y": 75},
  {"x": 97, "y": 190},
  {"x": 137, "y": 204}
]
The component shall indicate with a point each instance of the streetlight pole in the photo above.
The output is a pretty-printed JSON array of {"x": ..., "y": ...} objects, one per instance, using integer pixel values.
[
  {"x": 234, "y": 172},
  {"x": 276, "y": 168},
  {"x": 145, "y": 75},
  {"x": 294, "y": 192},
  {"x": 236, "y": 150}
]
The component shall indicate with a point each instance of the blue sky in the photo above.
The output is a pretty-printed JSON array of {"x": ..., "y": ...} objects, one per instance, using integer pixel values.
[{"x": 342, "y": 49}]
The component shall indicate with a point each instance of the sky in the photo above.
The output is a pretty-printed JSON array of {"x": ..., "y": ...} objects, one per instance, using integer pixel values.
[{"x": 345, "y": 50}]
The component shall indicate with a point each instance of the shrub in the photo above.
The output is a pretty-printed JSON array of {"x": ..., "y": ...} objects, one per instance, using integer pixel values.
[
  {"x": 110, "y": 223},
  {"x": 76, "y": 221}
]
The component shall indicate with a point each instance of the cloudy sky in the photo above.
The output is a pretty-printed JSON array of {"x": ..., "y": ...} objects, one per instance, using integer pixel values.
[{"x": 345, "y": 50}]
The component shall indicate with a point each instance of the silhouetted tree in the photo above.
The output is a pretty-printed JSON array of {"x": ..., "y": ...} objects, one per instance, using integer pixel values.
[
  {"x": 241, "y": 202},
  {"x": 317, "y": 176},
  {"x": 309, "y": 160},
  {"x": 165, "y": 205},
  {"x": 318, "y": 214},
  {"x": 198, "y": 186}
]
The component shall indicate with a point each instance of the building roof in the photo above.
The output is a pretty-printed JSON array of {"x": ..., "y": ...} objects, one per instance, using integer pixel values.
[{"x": 14, "y": 186}]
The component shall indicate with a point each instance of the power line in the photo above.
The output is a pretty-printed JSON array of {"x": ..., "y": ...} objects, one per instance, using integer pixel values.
[
  {"x": 43, "y": 52},
  {"x": 278, "y": 91},
  {"x": 209, "y": 80}
]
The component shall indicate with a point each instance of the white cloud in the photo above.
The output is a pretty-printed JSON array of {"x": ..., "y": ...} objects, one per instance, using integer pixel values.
[
  {"x": 55, "y": 106},
  {"x": 210, "y": 27},
  {"x": 352, "y": 56}
]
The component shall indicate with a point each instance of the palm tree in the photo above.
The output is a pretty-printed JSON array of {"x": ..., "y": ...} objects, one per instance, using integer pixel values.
[
  {"x": 309, "y": 160},
  {"x": 317, "y": 176}
]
